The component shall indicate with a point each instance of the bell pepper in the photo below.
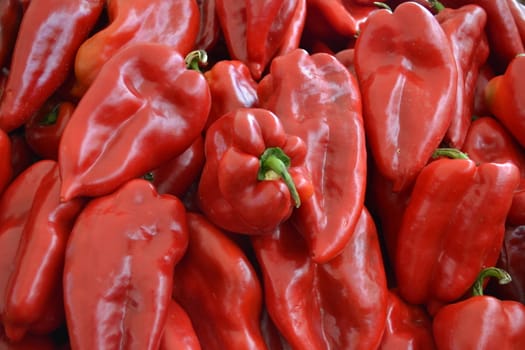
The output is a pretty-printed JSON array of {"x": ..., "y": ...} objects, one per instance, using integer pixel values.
[
  {"x": 209, "y": 31},
  {"x": 219, "y": 289},
  {"x": 273, "y": 338},
  {"x": 137, "y": 21},
  {"x": 505, "y": 98},
  {"x": 317, "y": 99},
  {"x": 154, "y": 118},
  {"x": 402, "y": 133},
  {"x": 10, "y": 17},
  {"x": 178, "y": 331},
  {"x": 50, "y": 34},
  {"x": 452, "y": 227},
  {"x": 254, "y": 174},
  {"x": 485, "y": 74},
  {"x": 481, "y": 322},
  {"x": 340, "y": 304},
  {"x": 33, "y": 342},
  {"x": 6, "y": 166},
  {"x": 119, "y": 265},
  {"x": 517, "y": 9},
  {"x": 22, "y": 156}
]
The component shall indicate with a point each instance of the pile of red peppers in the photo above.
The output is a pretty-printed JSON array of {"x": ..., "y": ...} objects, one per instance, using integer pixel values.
[{"x": 265, "y": 174}]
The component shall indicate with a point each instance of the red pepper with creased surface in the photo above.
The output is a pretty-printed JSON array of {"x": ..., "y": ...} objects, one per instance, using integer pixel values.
[
  {"x": 317, "y": 99},
  {"x": 50, "y": 34},
  {"x": 155, "y": 117},
  {"x": 408, "y": 93},
  {"x": 340, "y": 304},
  {"x": 119, "y": 265},
  {"x": 178, "y": 331},
  {"x": 209, "y": 30},
  {"x": 254, "y": 174},
  {"x": 10, "y": 16},
  {"x": 219, "y": 289}
]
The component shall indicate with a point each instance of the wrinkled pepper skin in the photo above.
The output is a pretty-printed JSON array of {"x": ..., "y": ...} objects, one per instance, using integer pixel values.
[
  {"x": 219, "y": 289},
  {"x": 340, "y": 304},
  {"x": 6, "y": 166},
  {"x": 118, "y": 268},
  {"x": 241, "y": 190},
  {"x": 209, "y": 30},
  {"x": 178, "y": 331},
  {"x": 505, "y": 98},
  {"x": 317, "y": 99},
  {"x": 50, "y": 34},
  {"x": 10, "y": 16},
  {"x": 154, "y": 118},
  {"x": 402, "y": 133},
  {"x": 453, "y": 226},
  {"x": 137, "y": 21}
]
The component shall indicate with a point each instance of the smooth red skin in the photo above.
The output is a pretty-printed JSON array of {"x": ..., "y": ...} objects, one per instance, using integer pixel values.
[
  {"x": 408, "y": 81},
  {"x": 480, "y": 322},
  {"x": 273, "y": 338},
  {"x": 505, "y": 98},
  {"x": 22, "y": 156},
  {"x": 178, "y": 330},
  {"x": 407, "y": 327},
  {"x": 6, "y": 166},
  {"x": 340, "y": 304},
  {"x": 10, "y": 16},
  {"x": 132, "y": 22},
  {"x": 45, "y": 138},
  {"x": 219, "y": 289},
  {"x": 176, "y": 175},
  {"x": 229, "y": 193},
  {"x": 30, "y": 342},
  {"x": 318, "y": 100},
  {"x": 255, "y": 30},
  {"x": 119, "y": 265},
  {"x": 231, "y": 87},
  {"x": 49, "y": 36},
  {"x": 488, "y": 141},
  {"x": 465, "y": 29},
  {"x": 294, "y": 33},
  {"x": 453, "y": 226},
  {"x": 157, "y": 107},
  {"x": 485, "y": 74},
  {"x": 518, "y": 13},
  {"x": 209, "y": 30}
]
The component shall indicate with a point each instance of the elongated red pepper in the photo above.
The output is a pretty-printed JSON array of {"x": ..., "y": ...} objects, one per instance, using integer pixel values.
[
  {"x": 340, "y": 304},
  {"x": 178, "y": 331},
  {"x": 318, "y": 100},
  {"x": 134, "y": 22},
  {"x": 402, "y": 133},
  {"x": 50, "y": 34},
  {"x": 452, "y": 227},
  {"x": 117, "y": 293},
  {"x": 209, "y": 30},
  {"x": 254, "y": 174},
  {"x": 6, "y": 166},
  {"x": 219, "y": 289},
  {"x": 10, "y": 16},
  {"x": 154, "y": 118}
]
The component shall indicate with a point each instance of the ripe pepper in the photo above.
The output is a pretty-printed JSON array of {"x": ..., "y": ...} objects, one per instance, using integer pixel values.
[
  {"x": 154, "y": 118},
  {"x": 32, "y": 342},
  {"x": 505, "y": 98},
  {"x": 254, "y": 174},
  {"x": 50, "y": 34},
  {"x": 117, "y": 294},
  {"x": 134, "y": 22},
  {"x": 408, "y": 94},
  {"x": 6, "y": 166},
  {"x": 517, "y": 9},
  {"x": 219, "y": 289},
  {"x": 452, "y": 227},
  {"x": 340, "y": 304},
  {"x": 10, "y": 16},
  {"x": 317, "y": 99},
  {"x": 481, "y": 322},
  {"x": 178, "y": 331},
  {"x": 209, "y": 31}
]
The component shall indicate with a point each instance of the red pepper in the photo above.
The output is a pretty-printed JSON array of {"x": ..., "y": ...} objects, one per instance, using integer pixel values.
[
  {"x": 178, "y": 331},
  {"x": 254, "y": 174},
  {"x": 209, "y": 30},
  {"x": 485, "y": 74},
  {"x": 318, "y": 100},
  {"x": 6, "y": 166},
  {"x": 505, "y": 98},
  {"x": 50, "y": 34},
  {"x": 29, "y": 343},
  {"x": 219, "y": 289},
  {"x": 119, "y": 266},
  {"x": 154, "y": 118},
  {"x": 408, "y": 94},
  {"x": 481, "y": 322},
  {"x": 517, "y": 9},
  {"x": 22, "y": 156},
  {"x": 340, "y": 304},
  {"x": 137, "y": 21},
  {"x": 10, "y": 16},
  {"x": 452, "y": 227}
]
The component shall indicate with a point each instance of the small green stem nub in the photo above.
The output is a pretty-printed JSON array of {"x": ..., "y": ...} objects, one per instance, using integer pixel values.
[
  {"x": 196, "y": 59},
  {"x": 436, "y": 5},
  {"x": 452, "y": 153},
  {"x": 502, "y": 276},
  {"x": 382, "y": 5},
  {"x": 51, "y": 117},
  {"x": 274, "y": 164}
]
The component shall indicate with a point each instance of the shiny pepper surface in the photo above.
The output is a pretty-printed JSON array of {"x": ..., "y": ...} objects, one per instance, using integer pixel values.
[{"x": 119, "y": 266}]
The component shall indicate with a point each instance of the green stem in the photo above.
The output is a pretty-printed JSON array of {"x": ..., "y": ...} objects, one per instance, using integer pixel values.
[
  {"x": 452, "y": 153},
  {"x": 51, "y": 117},
  {"x": 196, "y": 59},
  {"x": 382, "y": 5},
  {"x": 436, "y": 5},
  {"x": 502, "y": 276},
  {"x": 274, "y": 164}
]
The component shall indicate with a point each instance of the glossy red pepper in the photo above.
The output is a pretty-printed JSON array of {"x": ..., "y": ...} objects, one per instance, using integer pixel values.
[
  {"x": 317, "y": 99},
  {"x": 50, "y": 34},
  {"x": 10, "y": 16},
  {"x": 6, "y": 165},
  {"x": 119, "y": 266},
  {"x": 517, "y": 9},
  {"x": 219, "y": 289},
  {"x": 137, "y": 21},
  {"x": 254, "y": 174},
  {"x": 209, "y": 30},
  {"x": 452, "y": 227},
  {"x": 154, "y": 118},
  {"x": 22, "y": 156},
  {"x": 178, "y": 331},
  {"x": 402, "y": 133},
  {"x": 481, "y": 322},
  {"x": 29, "y": 343},
  {"x": 340, "y": 304}
]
